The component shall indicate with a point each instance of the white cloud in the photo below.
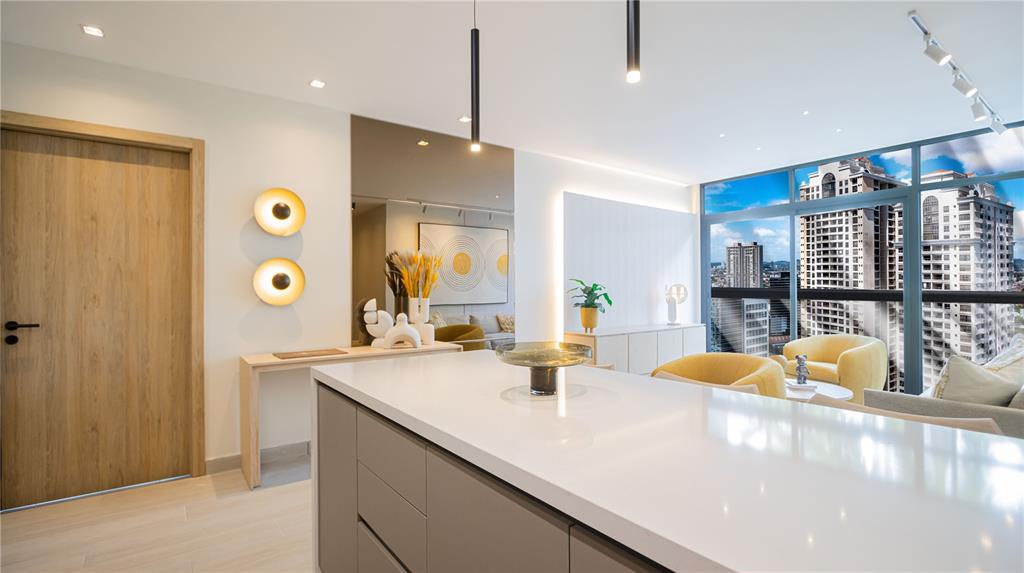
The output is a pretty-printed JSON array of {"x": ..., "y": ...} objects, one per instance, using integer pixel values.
[
  {"x": 715, "y": 189},
  {"x": 766, "y": 232},
  {"x": 987, "y": 153},
  {"x": 900, "y": 156}
]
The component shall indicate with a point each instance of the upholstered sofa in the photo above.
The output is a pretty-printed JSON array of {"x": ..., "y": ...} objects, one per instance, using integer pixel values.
[
  {"x": 730, "y": 369},
  {"x": 1009, "y": 420},
  {"x": 849, "y": 360},
  {"x": 469, "y": 336},
  {"x": 493, "y": 336}
]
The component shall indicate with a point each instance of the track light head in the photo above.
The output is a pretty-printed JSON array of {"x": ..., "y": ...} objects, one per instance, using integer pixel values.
[
  {"x": 997, "y": 126},
  {"x": 963, "y": 86},
  {"x": 936, "y": 53},
  {"x": 474, "y": 147},
  {"x": 979, "y": 110},
  {"x": 633, "y": 76}
]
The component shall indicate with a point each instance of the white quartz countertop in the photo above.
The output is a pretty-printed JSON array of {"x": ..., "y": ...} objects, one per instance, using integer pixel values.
[
  {"x": 753, "y": 483},
  {"x": 637, "y": 329}
]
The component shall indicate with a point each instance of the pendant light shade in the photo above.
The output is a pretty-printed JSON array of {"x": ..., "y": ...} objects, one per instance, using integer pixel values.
[
  {"x": 279, "y": 211},
  {"x": 632, "y": 41},
  {"x": 474, "y": 90},
  {"x": 279, "y": 282}
]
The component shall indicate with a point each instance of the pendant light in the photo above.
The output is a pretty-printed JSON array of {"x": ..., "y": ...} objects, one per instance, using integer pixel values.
[
  {"x": 474, "y": 90},
  {"x": 632, "y": 41}
]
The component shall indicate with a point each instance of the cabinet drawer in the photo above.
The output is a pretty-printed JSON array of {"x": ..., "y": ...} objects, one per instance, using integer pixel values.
[
  {"x": 591, "y": 552},
  {"x": 373, "y": 556},
  {"x": 481, "y": 525},
  {"x": 399, "y": 525},
  {"x": 670, "y": 346},
  {"x": 393, "y": 453}
]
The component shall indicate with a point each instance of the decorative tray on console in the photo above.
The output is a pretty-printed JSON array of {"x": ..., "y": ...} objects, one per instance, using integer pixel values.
[{"x": 545, "y": 360}]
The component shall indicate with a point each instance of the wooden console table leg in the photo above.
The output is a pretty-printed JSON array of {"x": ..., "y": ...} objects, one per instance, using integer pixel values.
[{"x": 249, "y": 396}]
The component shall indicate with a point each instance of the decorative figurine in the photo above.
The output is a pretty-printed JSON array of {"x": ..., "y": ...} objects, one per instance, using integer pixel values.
[
  {"x": 373, "y": 323},
  {"x": 399, "y": 333},
  {"x": 801, "y": 369}
]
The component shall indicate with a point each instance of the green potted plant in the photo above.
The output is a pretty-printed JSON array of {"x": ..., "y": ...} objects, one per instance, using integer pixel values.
[{"x": 592, "y": 295}]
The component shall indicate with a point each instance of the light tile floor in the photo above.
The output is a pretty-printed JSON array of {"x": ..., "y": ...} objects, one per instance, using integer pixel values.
[{"x": 210, "y": 523}]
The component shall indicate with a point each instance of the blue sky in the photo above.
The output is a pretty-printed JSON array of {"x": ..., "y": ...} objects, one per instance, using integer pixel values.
[
  {"x": 759, "y": 191},
  {"x": 984, "y": 154},
  {"x": 772, "y": 233}
]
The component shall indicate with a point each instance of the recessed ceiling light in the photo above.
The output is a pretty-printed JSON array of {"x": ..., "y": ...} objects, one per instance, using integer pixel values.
[
  {"x": 497, "y": 196},
  {"x": 423, "y": 143},
  {"x": 758, "y": 148},
  {"x": 807, "y": 112},
  {"x": 465, "y": 119},
  {"x": 318, "y": 84},
  {"x": 839, "y": 130},
  {"x": 92, "y": 31},
  {"x": 721, "y": 135}
]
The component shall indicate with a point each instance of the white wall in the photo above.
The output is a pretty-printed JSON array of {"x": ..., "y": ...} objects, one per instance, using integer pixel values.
[
  {"x": 635, "y": 252},
  {"x": 540, "y": 183},
  {"x": 252, "y": 143}
]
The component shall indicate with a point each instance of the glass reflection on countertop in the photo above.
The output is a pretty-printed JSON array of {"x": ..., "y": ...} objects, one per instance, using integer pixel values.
[{"x": 969, "y": 466}]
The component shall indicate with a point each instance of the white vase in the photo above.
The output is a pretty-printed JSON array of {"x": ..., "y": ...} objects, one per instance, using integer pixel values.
[{"x": 419, "y": 310}]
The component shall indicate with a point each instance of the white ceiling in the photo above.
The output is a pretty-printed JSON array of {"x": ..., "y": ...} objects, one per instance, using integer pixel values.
[{"x": 552, "y": 73}]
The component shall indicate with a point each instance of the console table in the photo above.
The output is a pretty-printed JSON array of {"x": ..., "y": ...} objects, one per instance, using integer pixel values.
[
  {"x": 253, "y": 365},
  {"x": 641, "y": 349}
]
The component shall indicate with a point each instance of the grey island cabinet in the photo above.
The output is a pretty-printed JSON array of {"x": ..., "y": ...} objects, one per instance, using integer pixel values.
[
  {"x": 445, "y": 463},
  {"x": 388, "y": 501}
]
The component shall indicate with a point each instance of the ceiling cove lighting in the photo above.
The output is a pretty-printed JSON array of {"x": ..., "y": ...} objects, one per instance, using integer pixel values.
[
  {"x": 632, "y": 41},
  {"x": 474, "y": 88},
  {"x": 92, "y": 31},
  {"x": 318, "y": 84},
  {"x": 980, "y": 108}
]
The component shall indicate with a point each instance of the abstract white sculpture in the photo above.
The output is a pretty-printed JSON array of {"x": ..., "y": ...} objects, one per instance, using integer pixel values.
[
  {"x": 674, "y": 295},
  {"x": 397, "y": 334}
]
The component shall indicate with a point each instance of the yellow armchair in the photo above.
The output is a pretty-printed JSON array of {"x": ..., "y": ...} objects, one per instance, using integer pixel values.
[
  {"x": 458, "y": 333},
  {"x": 729, "y": 369},
  {"x": 849, "y": 360}
]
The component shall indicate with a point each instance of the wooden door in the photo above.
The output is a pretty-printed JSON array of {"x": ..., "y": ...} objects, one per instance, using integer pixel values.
[{"x": 96, "y": 251}]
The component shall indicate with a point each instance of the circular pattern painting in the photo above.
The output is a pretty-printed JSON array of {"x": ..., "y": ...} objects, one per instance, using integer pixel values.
[
  {"x": 461, "y": 268},
  {"x": 497, "y": 264}
]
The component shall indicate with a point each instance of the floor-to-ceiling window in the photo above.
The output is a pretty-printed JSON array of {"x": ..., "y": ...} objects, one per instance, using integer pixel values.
[{"x": 827, "y": 247}]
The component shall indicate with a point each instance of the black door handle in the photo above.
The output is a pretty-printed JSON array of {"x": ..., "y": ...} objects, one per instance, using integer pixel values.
[
  {"x": 13, "y": 325},
  {"x": 11, "y": 339}
]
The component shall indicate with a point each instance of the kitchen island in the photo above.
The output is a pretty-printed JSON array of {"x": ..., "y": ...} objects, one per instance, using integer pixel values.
[{"x": 445, "y": 463}]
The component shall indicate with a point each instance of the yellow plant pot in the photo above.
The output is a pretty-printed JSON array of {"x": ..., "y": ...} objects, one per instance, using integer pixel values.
[{"x": 588, "y": 317}]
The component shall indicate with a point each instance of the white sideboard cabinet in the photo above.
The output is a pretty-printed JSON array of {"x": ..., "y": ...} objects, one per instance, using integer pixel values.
[{"x": 641, "y": 349}]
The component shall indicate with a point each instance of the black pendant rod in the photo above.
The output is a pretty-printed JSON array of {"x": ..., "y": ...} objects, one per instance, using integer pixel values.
[
  {"x": 633, "y": 40},
  {"x": 474, "y": 49}
]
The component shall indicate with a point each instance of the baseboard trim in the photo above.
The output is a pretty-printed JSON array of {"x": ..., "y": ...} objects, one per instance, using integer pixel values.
[{"x": 234, "y": 462}]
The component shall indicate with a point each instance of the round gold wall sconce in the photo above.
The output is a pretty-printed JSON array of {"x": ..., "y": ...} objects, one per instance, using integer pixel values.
[
  {"x": 279, "y": 211},
  {"x": 279, "y": 282}
]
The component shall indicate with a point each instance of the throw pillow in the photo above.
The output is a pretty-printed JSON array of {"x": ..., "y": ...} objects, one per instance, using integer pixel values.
[
  {"x": 506, "y": 322},
  {"x": 457, "y": 319},
  {"x": 967, "y": 382},
  {"x": 1018, "y": 400},
  {"x": 1010, "y": 362},
  {"x": 437, "y": 319},
  {"x": 486, "y": 322}
]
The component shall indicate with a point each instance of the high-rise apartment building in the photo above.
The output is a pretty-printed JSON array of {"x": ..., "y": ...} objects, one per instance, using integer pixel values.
[
  {"x": 851, "y": 249},
  {"x": 741, "y": 325},
  {"x": 967, "y": 243}
]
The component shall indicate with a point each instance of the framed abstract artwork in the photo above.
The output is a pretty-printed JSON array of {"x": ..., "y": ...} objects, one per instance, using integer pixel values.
[{"x": 474, "y": 263}]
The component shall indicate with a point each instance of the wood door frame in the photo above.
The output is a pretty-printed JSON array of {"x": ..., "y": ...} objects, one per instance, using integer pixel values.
[{"x": 30, "y": 123}]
